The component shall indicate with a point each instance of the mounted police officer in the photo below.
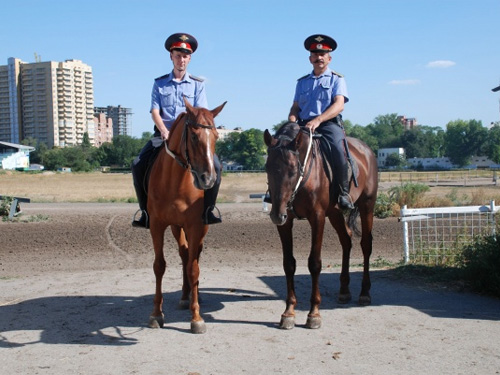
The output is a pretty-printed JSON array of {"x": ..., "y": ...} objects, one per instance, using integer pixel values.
[
  {"x": 319, "y": 99},
  {"x": 167, "y": 103}
]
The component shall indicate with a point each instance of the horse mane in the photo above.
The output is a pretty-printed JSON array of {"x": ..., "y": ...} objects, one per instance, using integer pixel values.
[
  {"x": 177, "y": 121},
  {"x": 286, "y": 134}
]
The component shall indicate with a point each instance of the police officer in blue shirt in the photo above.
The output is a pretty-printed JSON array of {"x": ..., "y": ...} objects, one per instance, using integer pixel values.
[
  {"x": 319, "y": 99},
  {"x": 167, "y": 103}
]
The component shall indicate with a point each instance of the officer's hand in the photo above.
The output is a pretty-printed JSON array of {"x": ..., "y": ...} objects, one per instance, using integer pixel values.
[
  {"x": 164, "y": 134},
  {"x": 313, "y": 124}
]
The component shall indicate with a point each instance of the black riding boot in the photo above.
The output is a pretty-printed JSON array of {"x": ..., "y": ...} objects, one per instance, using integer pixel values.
[
  {"x": 209, "y": 205},
  {"x": 210, "y": 197},
  {"x": 138, "y": 174},
  {"x": 342, "y": 176}
]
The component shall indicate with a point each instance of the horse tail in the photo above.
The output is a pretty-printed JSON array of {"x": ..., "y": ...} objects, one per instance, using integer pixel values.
[{"x": 352, "y": 220}]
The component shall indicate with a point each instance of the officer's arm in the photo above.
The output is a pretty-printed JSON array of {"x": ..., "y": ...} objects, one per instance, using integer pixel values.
[
  {"x": 155, "y": 115},
  {"x": 333, "y": 110},
  {"x": 293, "y": 116}
]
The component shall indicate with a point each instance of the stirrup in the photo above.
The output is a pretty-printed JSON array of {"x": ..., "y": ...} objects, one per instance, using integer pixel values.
[
  {"x": 143, "y": 221},
  {"x": 345, "y": 202},
  {"x": 209, "y": 212}
]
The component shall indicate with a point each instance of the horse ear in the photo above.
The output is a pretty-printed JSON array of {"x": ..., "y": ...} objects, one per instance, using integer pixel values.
[
  {"x": 268, "y": 138},
  {"x": 217, "y": 110},
  {"x": 189, "y": 107}
]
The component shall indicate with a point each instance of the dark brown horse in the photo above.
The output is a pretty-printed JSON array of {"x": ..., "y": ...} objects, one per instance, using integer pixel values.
[
  {"x": 299, "y": 188},
  {"x": 180, "y": 174}
]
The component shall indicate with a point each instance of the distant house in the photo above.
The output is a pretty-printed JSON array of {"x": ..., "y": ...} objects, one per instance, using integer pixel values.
[
  {"x": 445, "y": 163},
  {"x": 384, "y": 153},
  {"x": 14, "y": 156}
]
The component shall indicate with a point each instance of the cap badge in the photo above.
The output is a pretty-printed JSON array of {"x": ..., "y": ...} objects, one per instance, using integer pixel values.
[
  {"x": 183, "y": 45},
  {"x": 319, "y": 46},
  {"x": 183, "y": 38},
  {"x": 318, "y": 39}
]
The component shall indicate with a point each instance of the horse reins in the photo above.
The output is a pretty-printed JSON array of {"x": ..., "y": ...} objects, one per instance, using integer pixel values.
[
  {"x": 184, "y": 139},
  {"x": 289, "y": 205}
]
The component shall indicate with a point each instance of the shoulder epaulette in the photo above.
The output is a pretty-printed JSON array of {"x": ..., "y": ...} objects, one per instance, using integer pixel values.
[
  {"x": 196, "y": 78},
  {"x": 307, "y": 75},
  {"x": 337, "y": 74},
  {"x": 164, "y": 76}
]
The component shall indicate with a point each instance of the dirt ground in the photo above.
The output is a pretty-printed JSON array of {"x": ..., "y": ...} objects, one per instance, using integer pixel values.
[{"x": 76, "y": 292}]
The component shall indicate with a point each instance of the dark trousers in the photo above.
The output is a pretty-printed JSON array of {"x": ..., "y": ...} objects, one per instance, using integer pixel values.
[
  {"x": 332, "y": 131},
  {"x": 143, "y": 163}
]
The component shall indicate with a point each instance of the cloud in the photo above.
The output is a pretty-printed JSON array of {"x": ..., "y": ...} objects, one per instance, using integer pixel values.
[
  {"x": 404, "y": 82},
  {"x": 440, "y": 64}
]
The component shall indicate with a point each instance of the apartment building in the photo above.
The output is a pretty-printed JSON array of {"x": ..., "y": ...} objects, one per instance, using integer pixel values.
[
  {"x": 103, "y": 129},
  {"x": 121, "y": 116},
  {"x": 52, "y": 102}
]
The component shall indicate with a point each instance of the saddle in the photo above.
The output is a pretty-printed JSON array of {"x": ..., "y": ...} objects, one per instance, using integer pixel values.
[{"x": 328, "y": 165}]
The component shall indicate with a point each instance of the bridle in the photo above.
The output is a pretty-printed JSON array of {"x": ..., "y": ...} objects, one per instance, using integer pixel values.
[
  {"x": 186, "y": 163},
  {"x": 303, "y": 175}
]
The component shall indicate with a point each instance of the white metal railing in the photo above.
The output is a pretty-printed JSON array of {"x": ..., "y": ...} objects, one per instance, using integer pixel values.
[{"x": 432, "y": 232}]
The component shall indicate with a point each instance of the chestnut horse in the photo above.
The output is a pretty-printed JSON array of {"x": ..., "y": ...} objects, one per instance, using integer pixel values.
[
  {"x": 179, "y": 176},
  {"x": 299, "y": 188}
]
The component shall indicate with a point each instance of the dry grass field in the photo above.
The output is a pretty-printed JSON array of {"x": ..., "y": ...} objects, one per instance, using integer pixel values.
[
  {"x": 109, "y": 187},
  {"x": 49, "y": 187}
]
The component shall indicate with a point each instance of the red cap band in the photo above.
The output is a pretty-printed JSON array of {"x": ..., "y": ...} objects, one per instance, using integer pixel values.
[
  {"x": 320, "y": 46},
  {"x": 182, "y": 45}
]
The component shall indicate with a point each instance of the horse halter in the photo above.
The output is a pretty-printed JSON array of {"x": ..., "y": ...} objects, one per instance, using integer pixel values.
[{"x": 188, "y": 123}]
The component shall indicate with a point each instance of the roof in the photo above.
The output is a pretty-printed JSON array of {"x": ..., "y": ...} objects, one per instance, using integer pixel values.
[{"x": 20, "y": 147}]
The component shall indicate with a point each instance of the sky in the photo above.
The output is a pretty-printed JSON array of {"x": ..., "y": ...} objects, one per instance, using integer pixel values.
[{"x": 434, "y": 60}]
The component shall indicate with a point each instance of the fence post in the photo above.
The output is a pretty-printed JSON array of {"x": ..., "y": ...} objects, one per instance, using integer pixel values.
[
  {"x": 406, "y": 246},
  {"x": 493, "y": 221}
]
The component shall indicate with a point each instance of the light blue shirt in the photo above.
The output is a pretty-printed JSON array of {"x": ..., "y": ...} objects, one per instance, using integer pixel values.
[
  {"x": 168, "y": 96},
  {"x": 316, "y": 94}
]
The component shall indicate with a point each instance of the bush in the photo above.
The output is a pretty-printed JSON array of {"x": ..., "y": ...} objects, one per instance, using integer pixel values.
[
  {"x": 408, "y": 194},
  {"x": 480, "y": 262},
  {"x": 383, "y": 206}
]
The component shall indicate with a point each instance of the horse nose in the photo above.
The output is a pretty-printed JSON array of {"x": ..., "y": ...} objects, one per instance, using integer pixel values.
[
  {"x": 208, "y": 180},
  {"x": 278, "y": 219}
]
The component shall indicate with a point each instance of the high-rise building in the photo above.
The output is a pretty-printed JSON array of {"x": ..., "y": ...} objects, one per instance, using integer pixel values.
[
  {"x": 52, "y": 102},
  {"x": 122, "y": 118}
]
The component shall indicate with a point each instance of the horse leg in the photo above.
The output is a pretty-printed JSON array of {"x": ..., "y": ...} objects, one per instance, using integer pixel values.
[
  {"x": 156, "y": 319},
  {"x": 314, "y": 264},
  {"x": 338, "y": 222},
  {"x": 289, "y": 266},
  {"x": 180, "y": 237},
  {"x": 366, "y": 214},
  {"x": 195, "y": 246}
]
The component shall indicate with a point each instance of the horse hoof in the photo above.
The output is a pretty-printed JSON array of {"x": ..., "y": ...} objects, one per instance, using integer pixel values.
[
  {"x": 156, "y": 321},
  {"x": 344, "y": 298},
  {"x": 313, "y": 322},
  {"x": 184, "y": 304},
  {"x": 365, "y": 300},
  {"x": 287, "y": 322},
  {"x": 198, "y": 326}
]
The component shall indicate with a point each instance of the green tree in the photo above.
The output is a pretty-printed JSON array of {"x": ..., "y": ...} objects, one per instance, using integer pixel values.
[
  {"x": 464, "y": 139},
  {"x": 395, "y": 160},
  {"x": 360, "y": 132},
  {"x": 246, "y": 148},
  {"x": 250, "y": 149},
  {"x": 493, "y": 143},
  {"x": 387, "y": 129}
]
